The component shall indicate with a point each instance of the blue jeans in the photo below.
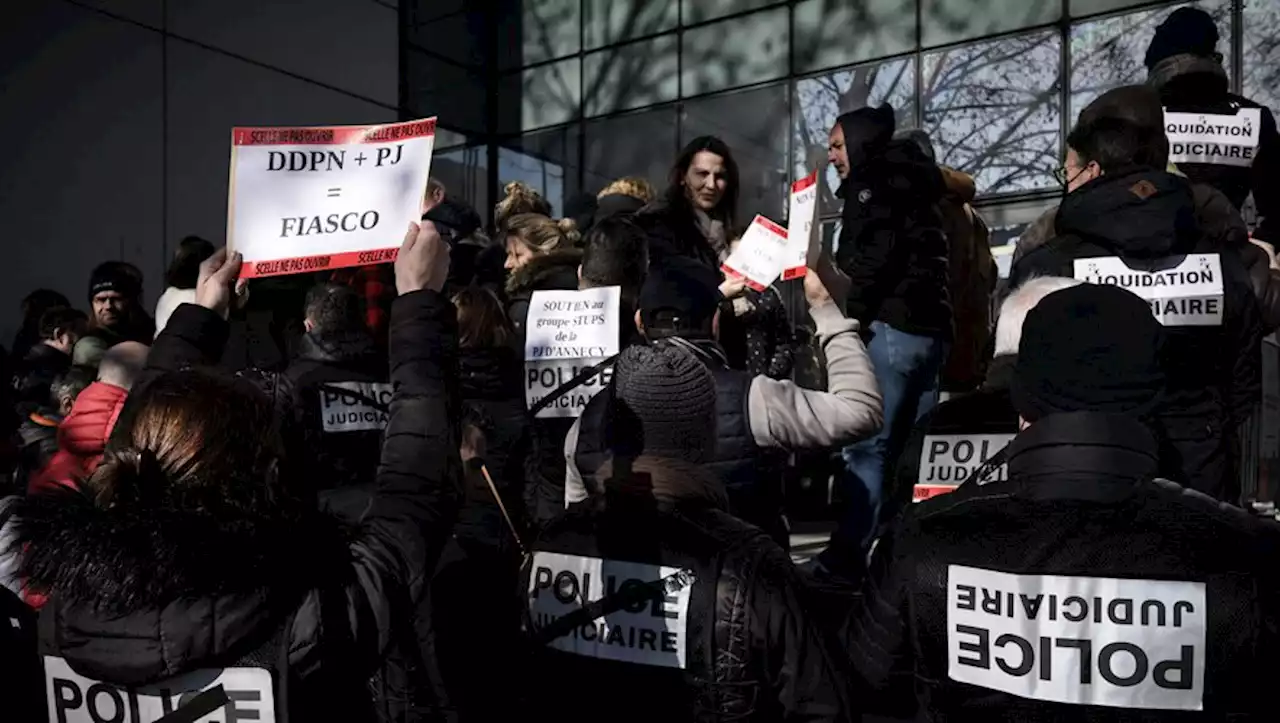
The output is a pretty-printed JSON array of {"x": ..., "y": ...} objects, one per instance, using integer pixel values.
[{"x": 906, "y": 368}]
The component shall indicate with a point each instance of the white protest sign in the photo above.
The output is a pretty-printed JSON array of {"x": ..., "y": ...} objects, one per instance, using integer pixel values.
[
  {"x": 802, "y": 226},
  {"x": 1222, "y": 140},
  {"x": 946, "y": 460},
  {"x": 566, "y": 333},
  {"x": 1189, "y": 294},
  {"x": 761, "y": 254},
  {"x": 652, "y": 631},
  {"x": 73, "y": 698},
  {"x": 1083, "y": 640},
  {"x": 310, "y": 199},
  {"x": 354, "y": 412}
]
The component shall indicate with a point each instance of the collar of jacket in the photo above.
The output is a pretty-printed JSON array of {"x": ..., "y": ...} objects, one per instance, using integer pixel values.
[
  {"x": 670, "y": 483},
  {"x": 1138, "y": 212},
  {"x": 1186, "y": 64},
  {"x": 1000, "y": 372},
  {"x": 553, "y": 270},
  {"x": 1082, "y": 455},
  {"x": 342, "y": 347},
  {"x": 42, "y": 351}
]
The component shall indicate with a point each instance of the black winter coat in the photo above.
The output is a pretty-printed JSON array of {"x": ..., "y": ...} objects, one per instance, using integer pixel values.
[
  {"x": 342, "y": 433},
  {"x": 492, "y": 385},
  {"x": 34, "y": 374},
  {"x": 1214, "y": 371},
  {"x": 673, "y": 230},
  {"x": 939, "y": 630},
  {"x": 207, "y": 593},
  {"x": 731, "y": 641}
]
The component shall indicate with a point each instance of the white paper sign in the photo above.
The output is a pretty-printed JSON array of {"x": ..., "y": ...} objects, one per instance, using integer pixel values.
[
  {"x": 1223, "y": 140},
  {"x": 566, "y": 333},
  {"x": 761, "y": 254},
  {"x": 1189, "y": 294},
  {"x": 354, "y": 412},
  {"x": 946, "y": 460},
  {"x": 310, "y": 199},
  {"x": 802, "y": 228},
  {"x": 1083, "y": 640},
  {"x": 73, "y": 698},
  {"x": 653, "y": 631}
]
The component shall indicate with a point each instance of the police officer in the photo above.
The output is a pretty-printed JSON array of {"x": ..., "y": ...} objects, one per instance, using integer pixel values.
[
  {"x": 1215, "y": 137},
  {"x": 1083, "y": 587},
  {"x": 965, "y": 437}
]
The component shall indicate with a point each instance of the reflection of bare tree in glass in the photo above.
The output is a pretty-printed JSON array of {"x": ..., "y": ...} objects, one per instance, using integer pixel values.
[{"x": 1262, "y": 52}]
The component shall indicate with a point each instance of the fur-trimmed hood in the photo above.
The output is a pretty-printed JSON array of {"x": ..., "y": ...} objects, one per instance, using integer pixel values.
[{"x": 553, "y": 270}]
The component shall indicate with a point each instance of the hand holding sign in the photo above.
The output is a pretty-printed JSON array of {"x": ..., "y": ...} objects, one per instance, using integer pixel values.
[
  {"x": 423, "y": 261},
  {"x": 215, "y": 286},
  {"x": 760, "y": 255},
  {"x": 733, "y": 286}
]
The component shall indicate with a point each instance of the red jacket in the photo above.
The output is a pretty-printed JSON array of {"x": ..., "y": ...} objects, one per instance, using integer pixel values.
[{"x": 82, "y": 437}]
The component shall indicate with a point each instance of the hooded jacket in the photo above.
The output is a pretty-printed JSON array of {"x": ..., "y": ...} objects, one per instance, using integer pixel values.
[
  {"x": 729, "y": 640},
  {"x": 284, "y": 589},
  {"x": 998, "y": 602},
  {"x": 82, "y": 437},
  {"x": 1146, "y": 219},
  {"x": 972, "y": 276},
  {"x": 891, "y": 243}
]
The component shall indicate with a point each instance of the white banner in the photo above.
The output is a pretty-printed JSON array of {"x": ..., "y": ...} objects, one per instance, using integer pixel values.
[
  {"x": 1188, "y": 294},
  {"x": 653, "y": 631},
  {"x": 760, "y": 255},
  {"x": 1083, "y": 640},
  {"x": 354, "y": 412},
  {"x": 946, "y": 460},
  {"x": 802, "y": 227},
  {"x": 1222, "y": 140},
  {"x": 73, "y": 698},
  {"x": 566, "y": 333},
  {"x": 310, "y": 199}
]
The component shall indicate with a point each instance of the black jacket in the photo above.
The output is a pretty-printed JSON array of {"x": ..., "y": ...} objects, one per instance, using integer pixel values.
[
  {"x": 1200, "y": 92},
  {"x": 336, "y": 380},
  {"x": 492, "y": 385},
  {"x": 673, "y": 230},
  {"x": 891, "y": 243},
  {"x": 555, "y": 270},
  {"x": 33, "y": 375},
  {"x": 1081, "y": 502},
  {"x": 729, "y": 641},
  {"x": 1214, "y": 371},
  {"x": 760, "y": 339},
  {"x": 207, "y": 593}
]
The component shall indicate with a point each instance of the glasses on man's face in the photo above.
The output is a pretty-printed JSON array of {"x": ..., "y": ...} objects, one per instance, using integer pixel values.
[{"x": 1063, "y": 174}]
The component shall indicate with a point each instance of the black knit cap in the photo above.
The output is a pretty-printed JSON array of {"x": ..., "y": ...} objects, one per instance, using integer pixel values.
[
  {"x": 1186, "y": 30},
  {"x": 664, "y": 404},
  {"x": 680, "y": 293},
  {"x": 113, "y": 276},
  {"x": 1089, "y": 348}
]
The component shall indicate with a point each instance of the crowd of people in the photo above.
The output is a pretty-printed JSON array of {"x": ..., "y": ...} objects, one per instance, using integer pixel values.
[{"x": 324, "y": 497}]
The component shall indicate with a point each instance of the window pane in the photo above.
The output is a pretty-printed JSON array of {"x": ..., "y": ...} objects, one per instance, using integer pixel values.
[
  {"x": 735, "y": 52},
  {"x": 462, "y": 171},
  {"x": 541, "y": 96},
  {"x": 851, "y": 31},
  {"x": 605, "y": 22},
  {"x": 641, "y": 144},
  {"x": 754, "y": 124},
  {"x": 541, "y": 30},
  {"x": 1078, "y": 8},
  {"x": 631, "y": 76},
  {"x": 697, "y": 11},
  {"x": 439, "y": 88},
  {"x": 1108, "y": 52},
  {"x": 993, "y": 111},
  {"x": 820, "y": 99},
  {"x": 459, "y": 37},
  {"x": 1262, "y": 52},
  {"x": 547, "y": 161},
  {"x": 950, "y": 21}
]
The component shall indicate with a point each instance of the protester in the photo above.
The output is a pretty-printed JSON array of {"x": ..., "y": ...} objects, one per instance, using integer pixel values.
[
  {"x": 60, "y": 329},
  {"x": 518, "y": 198},
  {"x": 180, "y": 279},
  {"x": 38, "y": 431},
  {"x": 435, "y": 195},
  {"x": 341, "y": 390},
  {"x": 115, "y": 293},
  {"x": 623, "y": 197},
  {"x": 83, "y": 434},
  {"x": 239, "y": 568},
  {"x": 893, "y": 249},
  {"x": 693, "y": 218},
  {"x": 1128, "y": 597},
  {"x": 616, "y": 253},
  {"x": 542, "y": 255},
  {"x": 581, "y": 209},
  {"x": 759, "y": 420},
  {"x": 954, "y": 442},
  {"x": 1124, "y": 209},
  {"x": 705, "y": 614},
  {"x": 972, "y": 277},
  {"x": 755, "y": 329},
  {"x": 1184, "y": 65},
  {"x": 33, "y": 307}
]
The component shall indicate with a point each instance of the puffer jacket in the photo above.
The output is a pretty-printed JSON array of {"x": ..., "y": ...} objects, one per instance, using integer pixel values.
[
  {"x": 287, "y": 589},
  {"x": 728, "y": 639},
  {"x": 82, "y": 437}
]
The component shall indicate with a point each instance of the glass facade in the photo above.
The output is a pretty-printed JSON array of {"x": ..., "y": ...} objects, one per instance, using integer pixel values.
[{"x": 569, "y": 94}]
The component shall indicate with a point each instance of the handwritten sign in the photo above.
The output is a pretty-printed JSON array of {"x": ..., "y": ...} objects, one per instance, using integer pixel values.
[
  {"x": 760, "y": 255},
  {"x": 310, "y": 199},
  {"x": 566, "y": 333},
  {"x": 802, "y": 227}
]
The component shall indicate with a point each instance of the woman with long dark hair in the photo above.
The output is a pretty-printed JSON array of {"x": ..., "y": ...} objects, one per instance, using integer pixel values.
[
  {"x": 180, "y": 277},
  {"x": 694, "y": 216}
]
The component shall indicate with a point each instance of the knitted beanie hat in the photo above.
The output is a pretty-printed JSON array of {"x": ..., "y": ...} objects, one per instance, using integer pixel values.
[
  {"x": 664, "y": 404},
  {"x": 1186, "y": 31}
]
